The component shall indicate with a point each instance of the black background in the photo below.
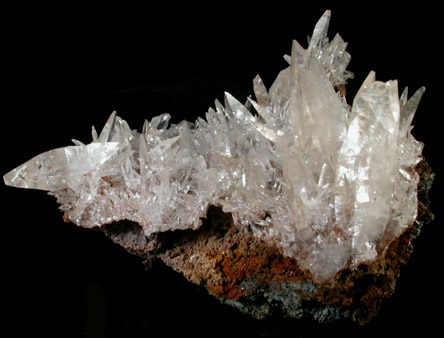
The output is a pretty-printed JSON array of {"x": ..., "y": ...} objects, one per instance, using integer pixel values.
[{"x": 65, "y": 68}]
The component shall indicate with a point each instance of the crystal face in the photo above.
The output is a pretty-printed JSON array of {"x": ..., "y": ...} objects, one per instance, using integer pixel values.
[{"x": 332, "y": 184}]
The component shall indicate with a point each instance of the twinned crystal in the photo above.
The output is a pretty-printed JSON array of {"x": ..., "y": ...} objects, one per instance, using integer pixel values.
[{"x": 333, "y": 185}]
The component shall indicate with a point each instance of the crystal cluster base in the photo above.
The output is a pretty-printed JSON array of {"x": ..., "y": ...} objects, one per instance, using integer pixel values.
[{"x": 258, "y": 279}]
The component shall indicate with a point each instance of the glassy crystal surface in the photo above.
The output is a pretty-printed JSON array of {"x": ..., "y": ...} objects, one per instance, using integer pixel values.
[{"x": 332, "y": 184}]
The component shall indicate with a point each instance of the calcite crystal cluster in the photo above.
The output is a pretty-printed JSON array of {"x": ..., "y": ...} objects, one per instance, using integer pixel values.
[{"x": 325, "y": 185}]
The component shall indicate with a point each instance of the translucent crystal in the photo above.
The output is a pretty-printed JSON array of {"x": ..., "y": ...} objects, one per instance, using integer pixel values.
[{"x": 332, "y": 184}]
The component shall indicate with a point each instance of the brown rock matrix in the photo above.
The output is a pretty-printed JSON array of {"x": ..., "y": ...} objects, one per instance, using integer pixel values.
[{"x": 255, "y": 277}]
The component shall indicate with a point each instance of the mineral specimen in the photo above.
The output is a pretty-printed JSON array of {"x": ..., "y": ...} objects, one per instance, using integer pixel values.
[{"x": 311, "y": 186}]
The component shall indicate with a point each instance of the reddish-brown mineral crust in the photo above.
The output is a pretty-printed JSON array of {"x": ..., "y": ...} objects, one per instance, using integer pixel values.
[
  {"x": 258, "y": 279},
  {"x": 131, "y": 236}
]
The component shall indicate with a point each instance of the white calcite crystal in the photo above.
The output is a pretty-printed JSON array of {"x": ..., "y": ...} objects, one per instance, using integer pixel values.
[{"x": 333, "y": 185}]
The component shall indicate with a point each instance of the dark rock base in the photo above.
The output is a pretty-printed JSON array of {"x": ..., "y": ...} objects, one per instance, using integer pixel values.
[{"x": 257, "y": 279}]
